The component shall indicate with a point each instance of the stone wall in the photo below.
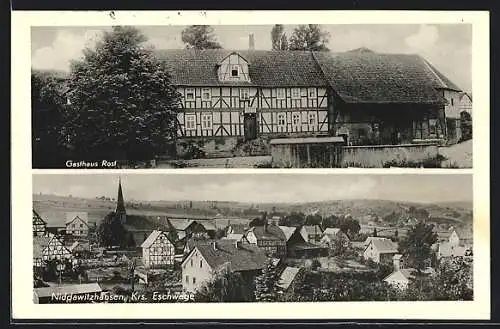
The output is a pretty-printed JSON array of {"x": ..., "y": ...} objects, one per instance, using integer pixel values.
[{"x": 380, "y": 156}]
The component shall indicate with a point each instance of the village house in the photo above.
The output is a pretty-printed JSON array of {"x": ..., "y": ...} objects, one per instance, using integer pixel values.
[
  {"x": 362, "y": 96},
  {"x": 270, "y": 238},
  {"x": 157, "y": 250},
  {"x": 80, "y": 249},
  {"x": 311, "y": 233},
  {"x": 333, "y": 235},
  {"x": 380, "y": 250},
  {"x": 48, "y": 247},
  {"x": 401, "y": 277},
  {"x": 39, "y": 225},
  {"x": 77, "y": 224},
  {"x": 186, "y": 228},
  {"x": 206, "y": 260},
  {"x": 298, "y": 247}
]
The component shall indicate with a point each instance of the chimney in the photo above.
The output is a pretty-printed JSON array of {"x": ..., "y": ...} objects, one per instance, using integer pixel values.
[
  {"x": 251, "y": 42},
  {"x": 396, "y": 259}
]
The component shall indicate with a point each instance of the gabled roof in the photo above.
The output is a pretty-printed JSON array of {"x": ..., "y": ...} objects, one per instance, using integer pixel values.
[
  {"x": 288, "y": 231},
  {"x": 384, "y": 246},
  {"x": 152, "y": 238},
  {"x": 313, "y": 229},
  {"x": 69, "y": 289},
  {"x": 180, "y": 224},
  {"x": 246, "y": 257},
  {"x": 193, "y": 67},
  {"x": 71, "y": 216},
  {"x": 287, "y": 276},
  {"x": 38, "y": 217},
  {"x": 363, "y": 77},
  {"x": 370, "y": 238},
  {"x": 331, "y": 231},
  {"x": 273, "y": 232},
  {"x": 404, "y": 274},
  {"x": 39, "y": 244}
]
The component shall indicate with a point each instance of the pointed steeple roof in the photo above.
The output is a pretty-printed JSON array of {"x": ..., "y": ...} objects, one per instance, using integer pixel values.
[{"x": 120, "y": 204}]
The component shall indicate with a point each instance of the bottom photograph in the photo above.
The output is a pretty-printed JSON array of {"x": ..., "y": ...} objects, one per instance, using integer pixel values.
[{"x": 270, "y": 237}]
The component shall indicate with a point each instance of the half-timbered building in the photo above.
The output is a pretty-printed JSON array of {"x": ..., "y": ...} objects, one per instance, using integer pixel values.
[
  {"x": 229, "y": 97},
  {"x": 39, "y": 225},
  {"x": 158, "y": 250},
  {"x": 48, "y": 247},
  {"x": 77, "y": 224}
]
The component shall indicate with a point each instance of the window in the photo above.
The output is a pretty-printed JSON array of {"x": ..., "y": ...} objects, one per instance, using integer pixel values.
[
  {"x": 312, "y": 118},
  {"x": 194, "y": 280},
  {"x": 187, "y": 278},
  {"x": 281, "y": 119},
  {"x": 206, "y": 121},
  {"x": 81, "y": 225},
  {"x": 190, "y": 121},
  {"x": 244, "y": 94},
  {"x": 311, "y": 93},
  {"x": 206, "y": 94},
  {"x": 191, "y": 262},
  {"x": 201, "y": 263},
  {"x": 235, "y": 71},
  {"x": 280, "y": 93},
  {"x": 189, "y": 94},
  {"x": 296, "y": 119},
  {"x": 452, "y": 101},
  {"x": 295, "y": 93}
]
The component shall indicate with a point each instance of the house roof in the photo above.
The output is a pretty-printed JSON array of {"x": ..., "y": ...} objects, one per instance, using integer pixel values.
[
  {"x": 364, "y": 77},
  {"x": 208, "y": 225},
  {"x": 180, "y": 224},
  {"x": 404, "y": 274},
  {"x": 287, "y": 276},
  {"x": 370, "y": 238},
  {"x": 37, "y": 216},
  {"x": 70, "y": 216},
  {"x": 384, "y": 246},
  {"x": 273, "y": 232},
  {"x": 313, "y": 229},
  {"x": 75, "y": 244},
  {"x": 331, "y": 231},
  {"x": 152, "y": 238},
  {"x": 193, "y": 67},
  {"x": 69, "y": 289},
  {"x": 246, "y": 257},
  {"x": 288, "y": 231},
  {"x": 39, "y": 244}
]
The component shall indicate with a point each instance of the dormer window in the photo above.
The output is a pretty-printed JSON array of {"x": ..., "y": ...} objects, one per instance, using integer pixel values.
[{"x": 235, "y": 71}]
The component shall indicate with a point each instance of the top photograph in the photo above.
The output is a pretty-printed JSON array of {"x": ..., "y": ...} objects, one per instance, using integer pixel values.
[{"x": 252, "y": 96}]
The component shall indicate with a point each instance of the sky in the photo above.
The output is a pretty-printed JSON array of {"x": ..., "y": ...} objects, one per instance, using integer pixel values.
[
  {"x": 447, "y": 46},
  {"x": 261, "y": 188}
]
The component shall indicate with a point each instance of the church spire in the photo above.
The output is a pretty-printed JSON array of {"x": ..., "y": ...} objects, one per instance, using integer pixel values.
[{"x": 120, "y": 204}]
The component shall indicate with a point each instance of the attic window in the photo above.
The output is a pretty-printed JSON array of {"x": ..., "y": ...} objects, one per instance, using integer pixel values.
[
  {"x": 206, "y": 94},
  {"x": 295, "y": 93},
  {"x": 280, "y": 93},
  {"x": 244, "y": 94},
  {"x": 235, "y": 71},
  {"x": 311, "y": 93}
]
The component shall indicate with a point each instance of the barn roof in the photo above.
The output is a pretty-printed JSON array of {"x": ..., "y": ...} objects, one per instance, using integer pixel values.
[
  {"x": 272, "y": 232},
  {"x": 363, "y": 77},
  {"x": 246, "y": 257}
]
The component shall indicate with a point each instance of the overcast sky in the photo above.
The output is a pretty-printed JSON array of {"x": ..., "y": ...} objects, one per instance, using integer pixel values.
[
  {"x": 261, "y": 187},
  {"x": 447, "y": 46}
]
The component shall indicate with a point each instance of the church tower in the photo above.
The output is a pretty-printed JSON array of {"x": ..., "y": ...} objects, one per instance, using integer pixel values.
[{"x": 120, "y": 204}]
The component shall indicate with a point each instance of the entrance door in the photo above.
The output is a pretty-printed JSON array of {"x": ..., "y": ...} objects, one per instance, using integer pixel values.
[{"x": 250, "y": 123}]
